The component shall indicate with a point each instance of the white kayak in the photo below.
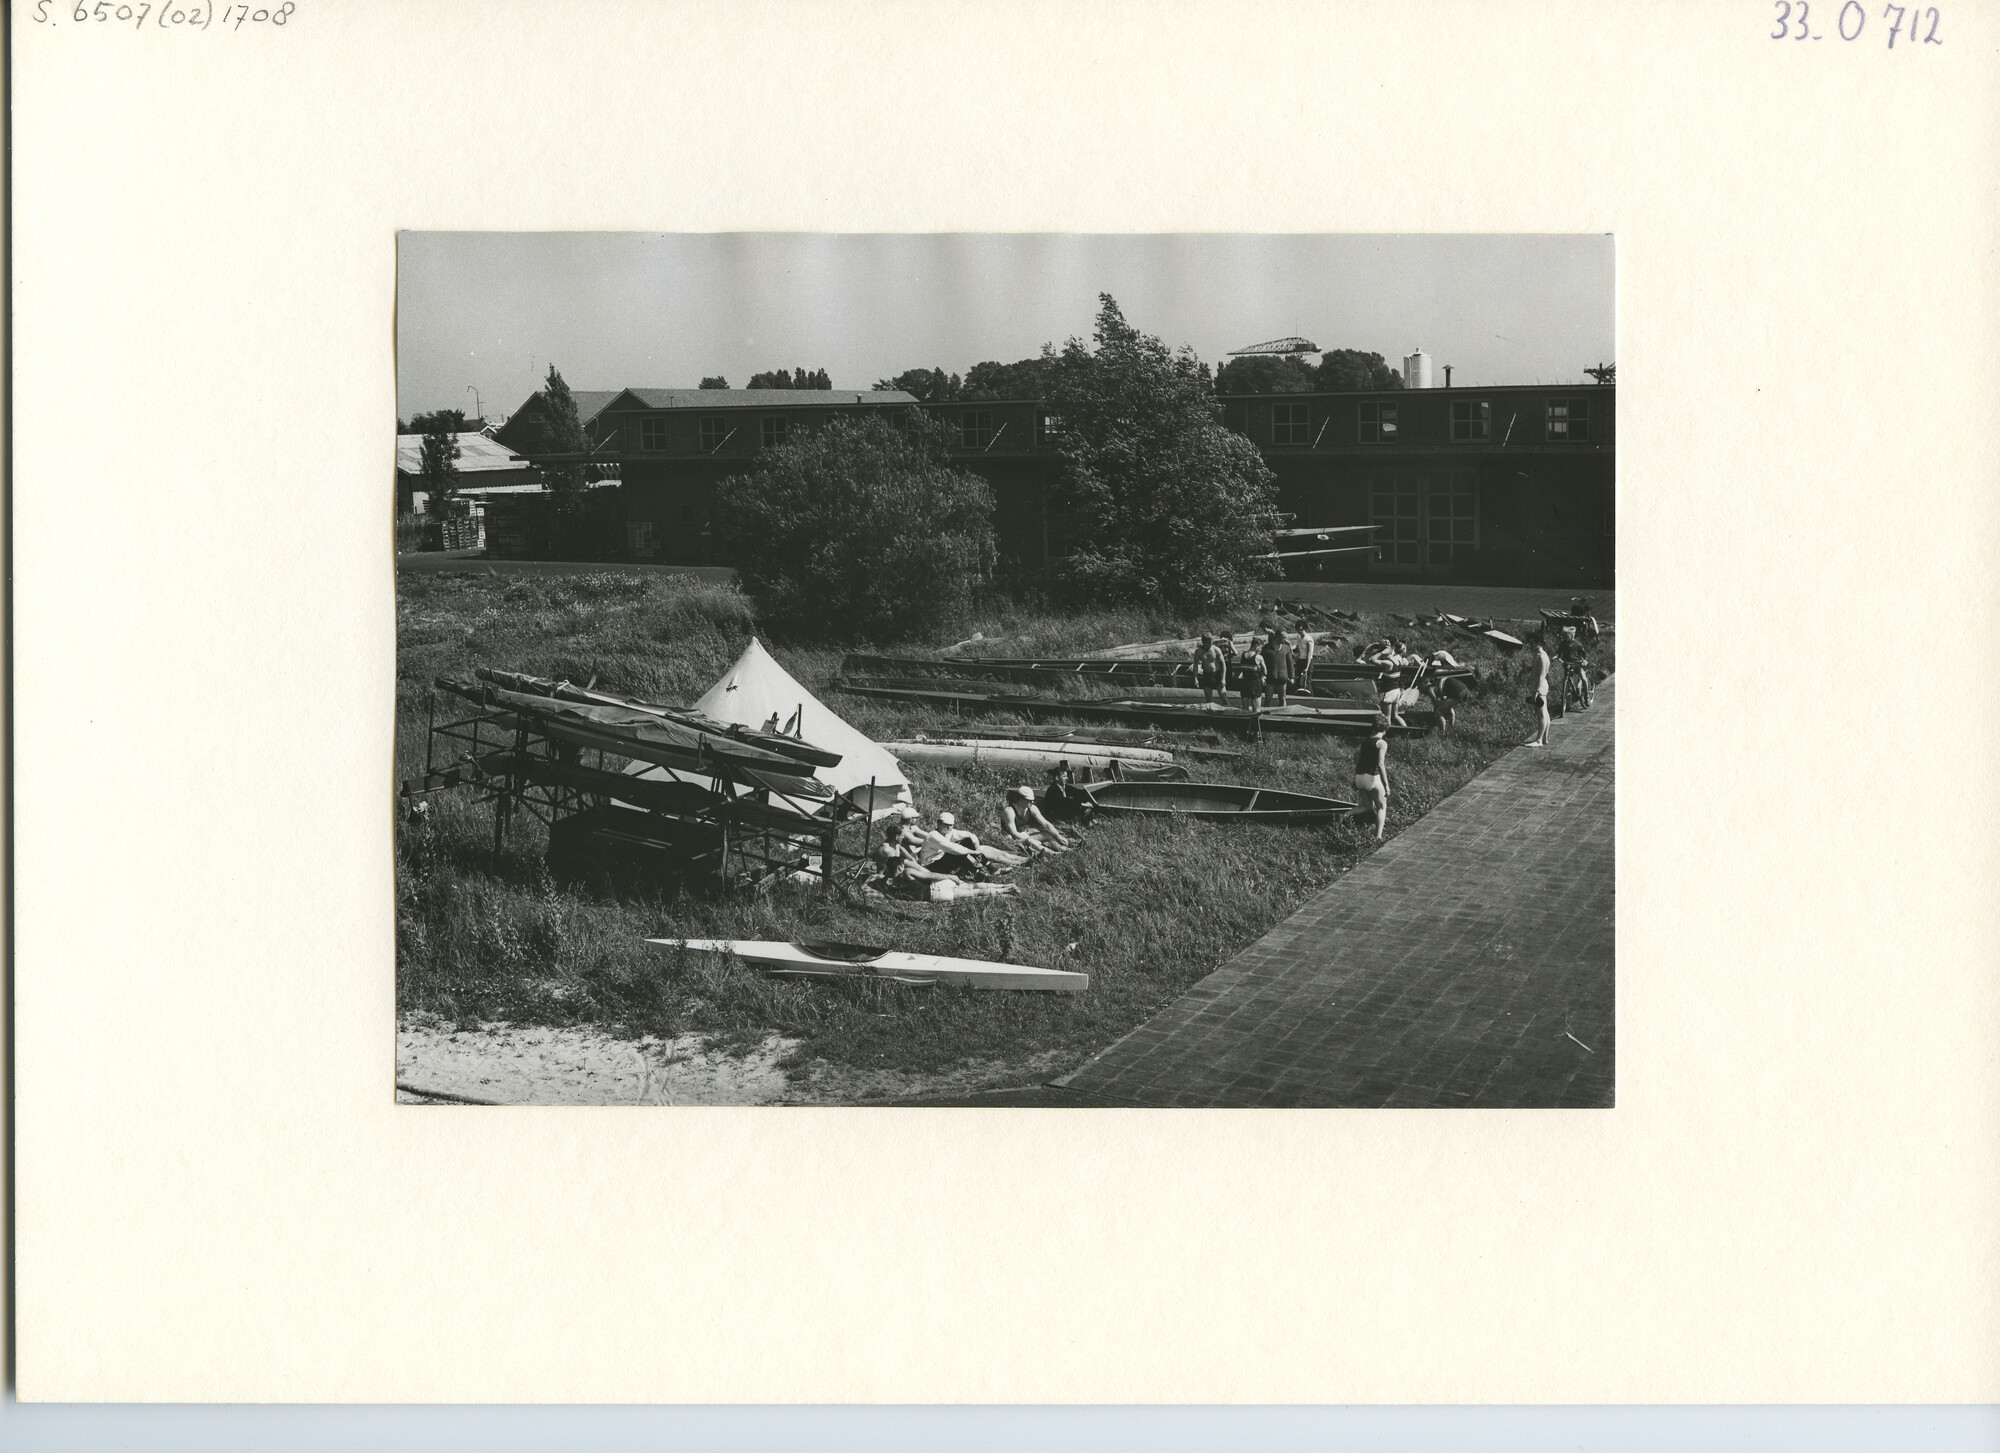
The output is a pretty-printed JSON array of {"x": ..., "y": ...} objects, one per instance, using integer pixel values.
[
  {"x": 839, "y": 960},
  {"x": 957, "y": 752}
]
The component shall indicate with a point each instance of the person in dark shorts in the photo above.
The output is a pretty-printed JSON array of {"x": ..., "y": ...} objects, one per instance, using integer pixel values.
[
  {"x": 1277, "y": 667},
  {"x": 1211, "y": 670},
  {"x": 1250, "y": 670},
  {"x": 1371, "y": 779}
]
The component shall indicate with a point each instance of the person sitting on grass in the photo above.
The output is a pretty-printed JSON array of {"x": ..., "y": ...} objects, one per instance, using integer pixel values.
[
  {"x": 1371, "y": 778},
  {"x": 903, "y": 876},
  {"x": 940, "y": 854},
  {"x": 1065, "y": 803},
  {"x": 1211, "y": 668},
  {"x": 1539, "y": 697},
  {"x": 1250, "y": 674},
  {"x": 1022, "y": 822},
  {"x": 968, "y": 841}
]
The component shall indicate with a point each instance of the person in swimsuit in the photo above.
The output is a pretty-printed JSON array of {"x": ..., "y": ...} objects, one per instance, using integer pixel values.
[
  {"x": 968, "y": 841},
  {"x": 1022, "y": 822},
  {"x": 1277, "y": 667},
  {"x": 1302, "y": 658},
  {"x": 1371, "y": 778},
  {"x": 1539, "y": 698},
  {"x": 1250, "y": 672},
  {"x": 1211, "y": 668}
]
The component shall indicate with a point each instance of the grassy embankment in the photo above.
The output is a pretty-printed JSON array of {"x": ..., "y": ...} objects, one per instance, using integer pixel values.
[{"x": 1146, "y": 909}]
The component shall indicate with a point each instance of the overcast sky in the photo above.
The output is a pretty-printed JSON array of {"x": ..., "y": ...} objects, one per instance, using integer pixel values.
[{"x": 651, "y": 310}]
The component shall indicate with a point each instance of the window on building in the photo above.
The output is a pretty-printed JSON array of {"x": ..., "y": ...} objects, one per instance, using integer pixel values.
[
  {"x": 714, "y": 429},
  {"x": 1471, "y": 421},
  {"x": 1288, "y": 424},
  {"x": 652, "y": 433},
  {"x": 1378, "y": 423},
  {"x": 1569, "y": 421},
  {"x": 975, "y": 428},
  {"x": 1396, "y": 509},
  {"x": 1048, "y": 428},
  {"x": 1451, "y": 519},
  {"x": 776, "y": 430}
]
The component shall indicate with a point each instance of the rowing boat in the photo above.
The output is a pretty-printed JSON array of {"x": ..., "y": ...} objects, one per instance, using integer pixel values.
[
  {"x": 954, "y": 752},
  {"x": 1218, "y": 801},
  {"x": 1482, "y": 628},
  {"x": 1162, "y": 715},
  {"x": 872, "y": 961}
]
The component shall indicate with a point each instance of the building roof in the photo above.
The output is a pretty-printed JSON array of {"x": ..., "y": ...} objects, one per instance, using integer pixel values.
[
  {"x": 590, "y": 403},
  {"x": 477, "y": 453},
  {"x": 726, "y": 398}
]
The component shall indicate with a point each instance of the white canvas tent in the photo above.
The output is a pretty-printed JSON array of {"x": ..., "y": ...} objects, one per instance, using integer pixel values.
[{"x": 757, "y": 688}]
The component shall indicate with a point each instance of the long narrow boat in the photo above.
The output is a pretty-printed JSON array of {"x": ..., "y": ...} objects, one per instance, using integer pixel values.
[
  {"x": 1157, "y": 714},
  {"x": 871, "y": 961},
  {"x": 777, "y": 742},
  {"x": 960, "y": 752},
  {"x": 1218, "y": 801},
  {"x": 1092, "y": 736},
  {"x": 642, "y": 736},
  {"x": 1482, "y": 628}
]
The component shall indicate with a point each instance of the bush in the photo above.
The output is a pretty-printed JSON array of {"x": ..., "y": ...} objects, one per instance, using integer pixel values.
[{"x": 859, "y": 529}]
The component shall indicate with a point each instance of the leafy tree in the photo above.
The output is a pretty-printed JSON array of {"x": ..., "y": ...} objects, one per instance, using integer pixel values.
[
  {"x": 452, "y": 421},
  {"x": 559, "y": 431},
  {"x": 1350, "y": 370},
  {"x": 1028, "y": 379},
  {"x": 1170, "y": 506},
  {"x": 715, "y": 380},
  {"x": 440, "y": 461},
  {"x": 797, "y": 378},
  {"x": 928, "y": 385},
  {"x": 861, "y": 529},
  {"x": 1266, "y": 373}
]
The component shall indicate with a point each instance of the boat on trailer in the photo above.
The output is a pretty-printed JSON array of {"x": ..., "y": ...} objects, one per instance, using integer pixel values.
[
  {"x": 823, "y": 960},
  {"x": 1214, "y": 801}
]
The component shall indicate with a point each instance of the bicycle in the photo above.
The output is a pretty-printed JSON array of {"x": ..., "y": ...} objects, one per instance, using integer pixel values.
[{"x": 1575, "y": 687}]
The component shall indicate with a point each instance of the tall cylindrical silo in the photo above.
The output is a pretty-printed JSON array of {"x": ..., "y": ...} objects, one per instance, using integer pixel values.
[{"x": 1417, "y": 370}]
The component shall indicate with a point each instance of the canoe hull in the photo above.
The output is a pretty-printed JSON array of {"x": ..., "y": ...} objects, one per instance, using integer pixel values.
[
  {"x": 1030, "y": 754},
  {"x": 936, "y": 968},
  {"x": 1215, "y": 802}
]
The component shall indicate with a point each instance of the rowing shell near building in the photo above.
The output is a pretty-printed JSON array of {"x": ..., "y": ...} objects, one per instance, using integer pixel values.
[{"x": 866, "y": 961}]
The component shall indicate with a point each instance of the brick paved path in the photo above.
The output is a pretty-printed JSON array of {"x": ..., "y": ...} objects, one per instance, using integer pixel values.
[{"x": 1452, "y": 967}]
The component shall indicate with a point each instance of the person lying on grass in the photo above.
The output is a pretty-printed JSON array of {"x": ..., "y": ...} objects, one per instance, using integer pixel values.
[
  {"x": 1022, "y": 822},
  {"x": 1371, "y": 778},
  {"x": 902, "y": 876}
]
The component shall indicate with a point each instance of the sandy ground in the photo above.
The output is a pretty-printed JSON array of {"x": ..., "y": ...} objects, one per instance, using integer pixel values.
[
  {"x": 511, "y": 1064},
  {"x": 529, "y": 1065}
]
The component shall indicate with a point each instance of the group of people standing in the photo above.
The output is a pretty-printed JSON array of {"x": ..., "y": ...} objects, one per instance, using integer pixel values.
[{"x": 1261, "y": 673}]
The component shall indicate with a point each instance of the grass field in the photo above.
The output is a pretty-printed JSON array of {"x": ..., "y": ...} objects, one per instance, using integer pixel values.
[{"x": 1146, "y": 909}]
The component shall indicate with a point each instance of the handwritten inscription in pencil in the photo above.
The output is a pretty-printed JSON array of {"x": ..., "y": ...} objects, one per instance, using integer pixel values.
[{"x": 166, "y": 16}]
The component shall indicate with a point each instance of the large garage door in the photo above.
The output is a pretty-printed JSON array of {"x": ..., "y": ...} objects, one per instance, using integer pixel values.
[{"x": 1426, "y": 521}]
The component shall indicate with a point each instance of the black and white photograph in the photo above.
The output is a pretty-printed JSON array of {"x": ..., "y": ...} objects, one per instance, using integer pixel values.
[{"x": 988, "y": 670}]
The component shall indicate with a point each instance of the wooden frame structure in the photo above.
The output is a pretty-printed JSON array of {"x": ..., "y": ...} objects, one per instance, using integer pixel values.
[{"x": 733, "y": 813}]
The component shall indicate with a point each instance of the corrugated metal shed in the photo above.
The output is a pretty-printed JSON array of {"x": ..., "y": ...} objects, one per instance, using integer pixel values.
[{"x": 477, "y": 454}]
